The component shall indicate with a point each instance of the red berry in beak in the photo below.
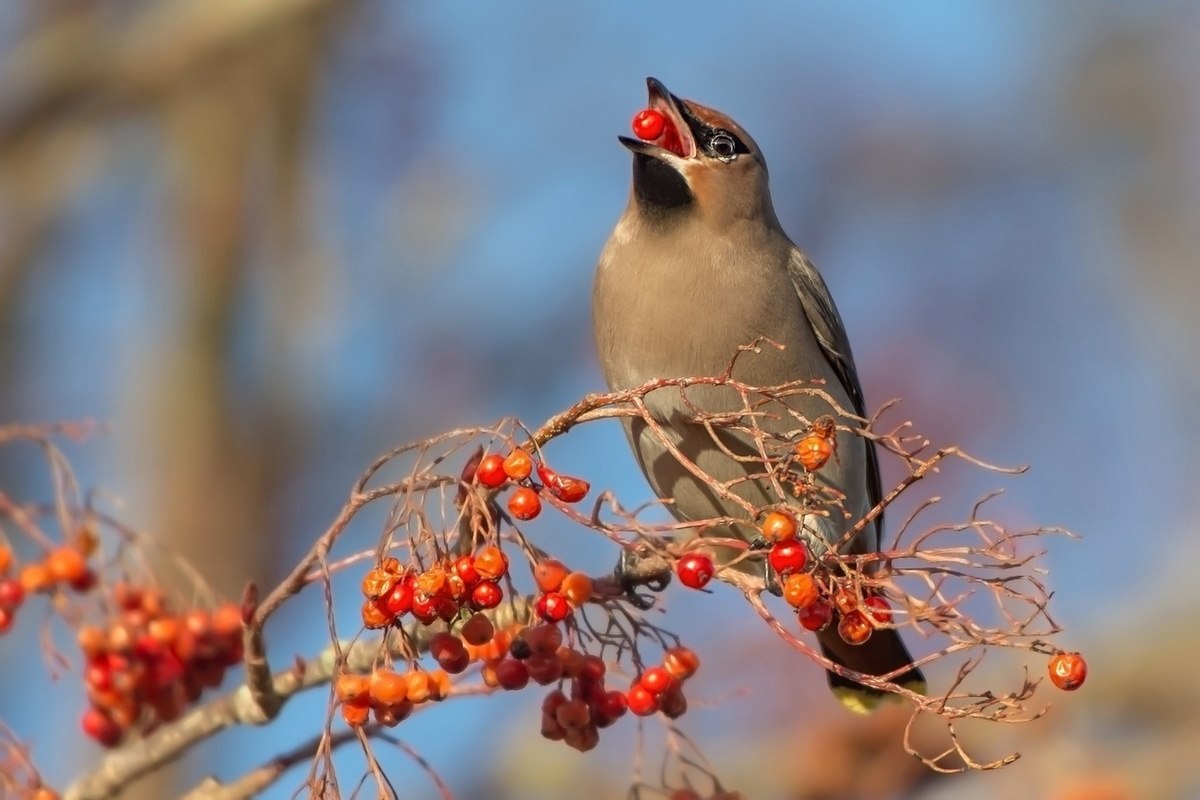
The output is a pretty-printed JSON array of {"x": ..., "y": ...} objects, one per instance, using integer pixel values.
[{"x": 648, "y": 124}]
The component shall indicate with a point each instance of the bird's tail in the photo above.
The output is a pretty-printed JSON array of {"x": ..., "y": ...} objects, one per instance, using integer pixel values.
[{"x": 882, "y": 654}]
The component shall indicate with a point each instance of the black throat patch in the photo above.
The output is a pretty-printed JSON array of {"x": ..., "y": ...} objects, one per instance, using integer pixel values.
[{"x": 658, "y": 186}]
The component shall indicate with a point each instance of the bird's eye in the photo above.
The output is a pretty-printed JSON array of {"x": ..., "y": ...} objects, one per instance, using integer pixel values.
[{"x": 723, "y": 146}]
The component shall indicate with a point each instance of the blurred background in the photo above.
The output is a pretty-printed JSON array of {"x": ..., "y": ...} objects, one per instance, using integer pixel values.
[{"x": 264, "y": 242}]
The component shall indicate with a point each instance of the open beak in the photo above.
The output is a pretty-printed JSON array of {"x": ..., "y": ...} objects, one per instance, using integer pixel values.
[{"x": 677, "y": 138}]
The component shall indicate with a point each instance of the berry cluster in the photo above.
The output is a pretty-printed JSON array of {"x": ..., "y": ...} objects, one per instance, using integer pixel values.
[
  {"x": 816, "y": 601},
  {"x": 562, "y": 590},
  {"x": 391, "y": 695},
  {"x": 660, "y": 688},
  {"x": 64, "y": 566},
  {"x": 513, "y": 658},
  {"x": 148, "y": 664},
  {"x": 439, "y": 592},
  {"x": 525, "y": 503}
]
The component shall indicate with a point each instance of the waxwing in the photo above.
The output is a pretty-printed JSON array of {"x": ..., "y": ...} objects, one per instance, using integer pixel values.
[{"x": 697, "y": 267}]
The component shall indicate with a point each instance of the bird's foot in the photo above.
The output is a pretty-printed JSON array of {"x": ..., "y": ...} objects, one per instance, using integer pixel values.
[{"x": 635, "y": 571}]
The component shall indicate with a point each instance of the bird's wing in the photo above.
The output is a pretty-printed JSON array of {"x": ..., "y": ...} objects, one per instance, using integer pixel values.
[{"x": 831, "y": 335}]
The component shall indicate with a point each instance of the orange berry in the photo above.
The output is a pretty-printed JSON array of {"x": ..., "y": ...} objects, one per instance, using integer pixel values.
[
  {"x": 491, "y": 563},
  {"x": 578, "y": 587},
  {"x": 350, "y": 687},
  {"x": 377, "y": 583},
  {"x": 800, "y": 590},
  {"x": 419, "y": 685},
  {"x": 813, "y": 451},
  {"x": 548, "y": 574},
  {"x": 439, "y": 684},
  {"x": 497, "y": 648},
  {"x": 355, "y": 715},
  {"x": 36, "y": 578},
  {"x": 6, "y": 558},
  {"x": 845, "y": 600},
  {"x": 778, "y": 527},
  {"x": 375, "y": 615},
  {"x": 518, "y": 465},
  {"x": 855, "y": 628},
  {"x": 682, "y": 662},
  {"x": 66, "y": 564},
  {"x": 1068, "y": 671},
  {"x": 387, "y": 688},
  {"x": 524, "y": 504}
]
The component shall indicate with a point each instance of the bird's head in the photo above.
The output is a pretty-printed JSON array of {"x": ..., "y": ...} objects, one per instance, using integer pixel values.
[{"x": 702, "y": 163}]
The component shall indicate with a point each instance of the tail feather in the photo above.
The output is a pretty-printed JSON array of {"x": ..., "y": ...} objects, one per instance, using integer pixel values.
[{"x": 882, "y": 654}]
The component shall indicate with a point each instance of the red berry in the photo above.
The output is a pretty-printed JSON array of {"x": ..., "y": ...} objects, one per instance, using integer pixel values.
[
  {"x": 400, "y": 600},
  {"x": 424, "y": 608},
  {"x": 564, "y": 487},
  {"x": 612, "y": 705},
  {"x": 552, "y": 607},
  {"x": 12, "y": 594},
  {"x": 879, "y": 607},
  {"x": 695, "y": 570},
  {"x": 101, "y": 727},
  {"x": 816, "y": 617},
  {"x": 6, "y": 619},
  {"x": 478, "y": 630},
  {"x": 464, "y": 567},
  {"x": 672, "y": 703},
  {"x": 573, "y": 714},
  {"x": 657, "y": 680},
  {"x": 552, "y": 701},
  {"x": 543, "y": 669},
  {"x": 490, "y": 472},
  {"x": 642, "y": 702},
  {"x": 648, "y": 124},
  {"x": 486, "y": 594},
  {"x": 1068, "y": 671},
  {"x": 592, "y": 668},
  {"x": 512, "y": 674},
  {"x": 518, "y": 465},
  {"x": 788, "y": 557},
  {"x": 524, "y": 504}
]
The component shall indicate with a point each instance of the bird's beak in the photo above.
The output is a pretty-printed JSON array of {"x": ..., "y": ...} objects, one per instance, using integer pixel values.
[{"x": 677, "y": 139}]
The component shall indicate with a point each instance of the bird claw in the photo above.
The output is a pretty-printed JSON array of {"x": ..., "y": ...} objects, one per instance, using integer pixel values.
[{"x": 630, "y": 576}]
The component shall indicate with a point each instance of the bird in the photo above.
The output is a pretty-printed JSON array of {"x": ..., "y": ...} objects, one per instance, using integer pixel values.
[{"x": 697, "y": 268}]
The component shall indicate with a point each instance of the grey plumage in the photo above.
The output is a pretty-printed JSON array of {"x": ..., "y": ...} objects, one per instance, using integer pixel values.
[{"x": 697, "y": 267}]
